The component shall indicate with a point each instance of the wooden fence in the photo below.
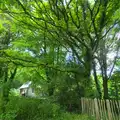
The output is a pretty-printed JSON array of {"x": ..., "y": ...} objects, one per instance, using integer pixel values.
[{"x": 101, "y": 109}]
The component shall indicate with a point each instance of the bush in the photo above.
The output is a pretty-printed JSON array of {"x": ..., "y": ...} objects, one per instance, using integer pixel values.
[
  {"x": 30, "y": 109},
  {"x": 21, "y": 108}
]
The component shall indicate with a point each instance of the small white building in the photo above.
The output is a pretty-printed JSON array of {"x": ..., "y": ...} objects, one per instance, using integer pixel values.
[{"x": 27, "y": 90}]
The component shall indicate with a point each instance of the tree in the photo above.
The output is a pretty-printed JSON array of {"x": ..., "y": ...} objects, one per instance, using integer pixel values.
[{"x": 79, "y": 25}]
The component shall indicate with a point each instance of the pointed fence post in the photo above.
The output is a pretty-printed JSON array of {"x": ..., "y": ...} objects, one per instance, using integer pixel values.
[
  {"x": 109, "y": 110},
  {"x": 96, "y": 109}
]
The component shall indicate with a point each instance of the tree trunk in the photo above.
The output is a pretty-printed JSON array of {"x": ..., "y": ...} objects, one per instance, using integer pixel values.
[
  {"x": 105, "y": 88},
  {"x": 88, "y": 63},
  {"x": 103, "y": 64},
  {"x": 96, "y": 80},
  {"x": 105, "y": 78}
]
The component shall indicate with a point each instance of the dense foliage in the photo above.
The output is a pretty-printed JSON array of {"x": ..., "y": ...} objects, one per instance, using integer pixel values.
[
  {"x": 68, "y": 48},
  {"x": 36, "y": 109}
]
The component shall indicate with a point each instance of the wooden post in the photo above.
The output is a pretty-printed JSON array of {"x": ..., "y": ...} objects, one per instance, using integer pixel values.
[
  {"x": 100, "y": 108},
  {"x": 82, "y": 104},
  {"x": 109, "y": 110},
  {"x": 90, "y": 107},
  {"x": 93, "y": 108},
  {"x": 96, "y": 109},
  {"x": 118, "y": 110},
  {"x": 89, "y": 111},
  {"x": 87, "y": 103},
  {"x": 105, "y": 110},
  {"x": 112, "y": 102}
]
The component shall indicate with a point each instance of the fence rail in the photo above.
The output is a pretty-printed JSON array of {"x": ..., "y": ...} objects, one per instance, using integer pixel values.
[{"x": 101, "y": 109}]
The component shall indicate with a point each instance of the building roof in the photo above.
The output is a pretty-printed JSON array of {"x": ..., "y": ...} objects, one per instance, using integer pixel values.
[{"x": 26, "y": 85}]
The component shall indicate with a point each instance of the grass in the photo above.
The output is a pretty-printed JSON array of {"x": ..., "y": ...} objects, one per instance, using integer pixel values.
[{"x": 69, "y": 116}]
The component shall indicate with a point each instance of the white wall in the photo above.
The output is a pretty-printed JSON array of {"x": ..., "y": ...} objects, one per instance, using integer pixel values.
[{"x": 30, "y": 92}]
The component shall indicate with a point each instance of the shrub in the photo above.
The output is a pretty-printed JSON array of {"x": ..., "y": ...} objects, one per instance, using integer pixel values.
[
  {"x": 30, "y": 109},
  {"x": 21, "y": 108}
]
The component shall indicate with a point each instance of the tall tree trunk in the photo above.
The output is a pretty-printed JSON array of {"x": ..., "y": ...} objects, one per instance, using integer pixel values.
[
  {"x": 105, "y": 88},
  {"x": 105, "y": 81},
  {"x": 88, "y": 63},
  {"x": 96, "y": 80},
  {"x": 105, "y": 78},
  {"x": 103, "y": 65}
]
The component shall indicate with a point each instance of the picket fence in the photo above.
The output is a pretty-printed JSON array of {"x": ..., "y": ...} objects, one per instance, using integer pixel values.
[{"x": 101, "y": 109}]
